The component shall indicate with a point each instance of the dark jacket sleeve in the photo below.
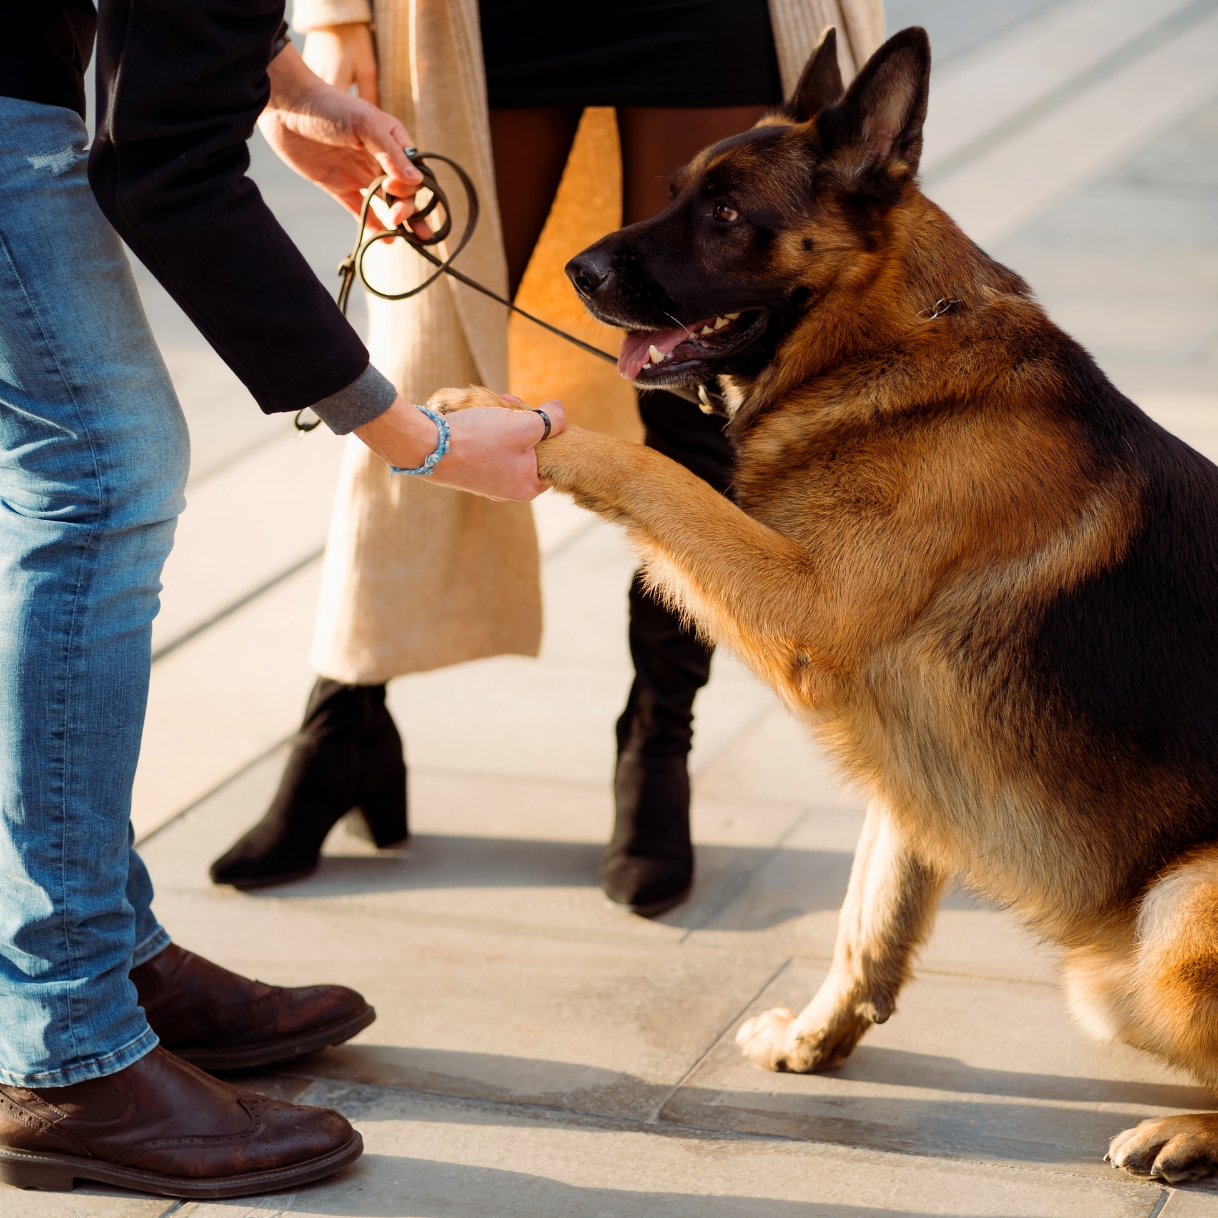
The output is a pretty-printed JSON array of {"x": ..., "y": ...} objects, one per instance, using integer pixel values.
[{"x": 180, "y": 85}]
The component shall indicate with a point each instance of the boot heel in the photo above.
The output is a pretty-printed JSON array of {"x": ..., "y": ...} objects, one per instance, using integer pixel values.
[
  {"x": 382, "y": 801},
  {"x": 385, "y": 812},
  {"x": 49, "y": 1177}
]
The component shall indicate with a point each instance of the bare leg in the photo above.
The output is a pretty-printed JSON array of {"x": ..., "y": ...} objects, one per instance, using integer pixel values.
[
  {"x": 657, "y": 141},
  {"x": 530, "y": 148},
  {"x": 888, "y": 913}
]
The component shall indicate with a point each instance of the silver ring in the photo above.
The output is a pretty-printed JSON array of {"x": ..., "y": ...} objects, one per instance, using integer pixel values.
[{"x": 545, "y": 418}]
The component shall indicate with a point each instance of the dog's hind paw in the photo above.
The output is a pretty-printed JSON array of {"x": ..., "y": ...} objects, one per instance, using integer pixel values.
[{"x": 1175, "y": 1149}]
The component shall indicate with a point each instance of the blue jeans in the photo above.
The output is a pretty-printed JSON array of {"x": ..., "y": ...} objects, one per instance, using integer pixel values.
[{"x": 93, "y": 461}]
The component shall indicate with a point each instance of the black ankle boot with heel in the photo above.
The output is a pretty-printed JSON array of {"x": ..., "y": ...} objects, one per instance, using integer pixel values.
[
  {"x": 347, "y": 756},
  {"x": 649, "y": 864}
]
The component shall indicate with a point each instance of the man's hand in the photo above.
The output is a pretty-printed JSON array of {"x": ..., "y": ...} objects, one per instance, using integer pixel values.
[
  {"x": 343, "y": 55},
  {"x": 491, "y": 451},
  {"x": 337, "y": 141}
]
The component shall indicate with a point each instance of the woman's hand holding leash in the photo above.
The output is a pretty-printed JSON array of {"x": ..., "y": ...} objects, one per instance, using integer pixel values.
[
  {"x": 337, "y": 141},
  {"x": 491, "y": 448},
  {"x": 341, "y": 143}
]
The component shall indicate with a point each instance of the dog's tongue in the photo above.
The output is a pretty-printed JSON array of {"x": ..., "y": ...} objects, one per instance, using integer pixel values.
[{"x": 636, "y": 348}]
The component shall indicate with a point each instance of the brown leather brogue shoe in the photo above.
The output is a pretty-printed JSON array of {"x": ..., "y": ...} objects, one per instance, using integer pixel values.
[
  {"x": 218, "y": 1020},
  {"x": 163, "y": 1126}
]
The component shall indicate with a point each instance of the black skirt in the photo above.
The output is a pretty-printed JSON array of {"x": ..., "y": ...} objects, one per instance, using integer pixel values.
[{"x": 680, "y": 53}]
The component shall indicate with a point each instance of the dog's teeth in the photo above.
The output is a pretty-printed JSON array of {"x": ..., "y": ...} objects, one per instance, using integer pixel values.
[
  {"x": 657, "y": 356},
  {"x": 720, "y": 322},
  {"x": 644, "y": 366},
  {"x": 731, "y": 316},
  {"x": 707, "y": 330}
]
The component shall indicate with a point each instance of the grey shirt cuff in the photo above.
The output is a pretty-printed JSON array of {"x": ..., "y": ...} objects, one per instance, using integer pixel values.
[{"x": 365, "y": 399}]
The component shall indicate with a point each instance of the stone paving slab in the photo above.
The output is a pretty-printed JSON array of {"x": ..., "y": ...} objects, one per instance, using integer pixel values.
[
  {"x": 1133, "y": 249},
  {"x": 429, "y": 1158},
  {"x": 969, "y": 1067},
  {"x": 1197, "y": 1202},
  {"x": 484, "y": 852},
  {"x": 569, "y": 1003},
  {"x": 494, "y": 1012},
  {"x": 972, "y": 96},
  {"x": 1011, "y": 185},
  {"x": 224, "y": 698},
  {"x": 776, "y": 760},
  {"x": 87, "y": 1201},
  {"x": 246, "y": 524}
]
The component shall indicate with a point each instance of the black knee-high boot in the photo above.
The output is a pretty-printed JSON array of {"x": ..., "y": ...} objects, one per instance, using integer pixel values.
[
  {"x": 347, "y": 755},
  {"x": 649, "y": 864}
]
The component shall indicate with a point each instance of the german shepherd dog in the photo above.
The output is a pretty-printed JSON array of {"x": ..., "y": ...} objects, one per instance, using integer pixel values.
[{"x": 985, "y": 579}]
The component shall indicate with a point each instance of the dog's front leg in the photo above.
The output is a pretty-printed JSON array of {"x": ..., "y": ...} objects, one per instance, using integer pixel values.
[
  {"x": 888, "y": 913},
  {"x": 746, "y": 584}
]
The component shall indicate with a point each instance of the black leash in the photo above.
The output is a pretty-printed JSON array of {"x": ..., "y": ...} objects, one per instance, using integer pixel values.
[{"x": 353, "y": 264}]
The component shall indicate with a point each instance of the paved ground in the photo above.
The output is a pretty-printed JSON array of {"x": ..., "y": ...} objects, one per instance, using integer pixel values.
[{"x": 538, "y": 1053}]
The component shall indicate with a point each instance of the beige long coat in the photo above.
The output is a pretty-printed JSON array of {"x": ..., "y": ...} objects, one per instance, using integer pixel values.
[{"x": 417, "y": 576}]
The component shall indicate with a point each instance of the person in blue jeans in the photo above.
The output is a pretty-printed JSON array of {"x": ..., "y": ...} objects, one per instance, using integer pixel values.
[{"x": 106, "y": 1027}]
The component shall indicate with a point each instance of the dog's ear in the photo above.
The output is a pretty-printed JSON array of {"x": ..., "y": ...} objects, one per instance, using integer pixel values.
[
  {"x": 878, "y": 124},
  {"x": 820, "y": 85}
]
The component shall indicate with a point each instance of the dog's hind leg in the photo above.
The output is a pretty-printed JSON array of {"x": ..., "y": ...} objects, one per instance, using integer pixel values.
[
  {"x": 1159, "y": 991},
  {"x": 888, "y": 913}
]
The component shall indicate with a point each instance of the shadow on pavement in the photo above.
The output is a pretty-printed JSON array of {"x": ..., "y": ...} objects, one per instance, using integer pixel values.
[
  {"x": 436, "y": 861},
  {"x": 1070, "y": 1119},
  {"x": 423, "y": 1188}
]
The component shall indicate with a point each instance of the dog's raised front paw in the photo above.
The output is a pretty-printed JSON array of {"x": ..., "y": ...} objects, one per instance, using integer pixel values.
[
  {"x": 1175, "y": 1149},
  {"x": 449, "y": 401}
]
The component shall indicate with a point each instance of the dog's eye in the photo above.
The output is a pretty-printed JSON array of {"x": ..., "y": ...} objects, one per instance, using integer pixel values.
[{"x": 725, "y": 213}]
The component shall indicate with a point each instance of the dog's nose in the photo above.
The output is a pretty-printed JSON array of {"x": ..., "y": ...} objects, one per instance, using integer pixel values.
[{"x": 588, "y": 271}]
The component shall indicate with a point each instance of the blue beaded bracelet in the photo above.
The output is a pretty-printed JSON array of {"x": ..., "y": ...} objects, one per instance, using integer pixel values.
[{"x": 441, "y": 446}]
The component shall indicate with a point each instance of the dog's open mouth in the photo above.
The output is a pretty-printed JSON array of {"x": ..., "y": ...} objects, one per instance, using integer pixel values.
[{"x": 678, "y": 356}]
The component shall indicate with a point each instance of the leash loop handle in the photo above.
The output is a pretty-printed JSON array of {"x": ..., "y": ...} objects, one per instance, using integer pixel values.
[{"x": 353, "y": 264}]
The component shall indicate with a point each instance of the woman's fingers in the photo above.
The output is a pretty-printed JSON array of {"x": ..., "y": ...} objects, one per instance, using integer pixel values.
[
  {"x": 558, "y": 416},
  {"x": 493, "y": 451},
  {"x": 554, "y": 409},
  {"x": 387, "y": 140}
]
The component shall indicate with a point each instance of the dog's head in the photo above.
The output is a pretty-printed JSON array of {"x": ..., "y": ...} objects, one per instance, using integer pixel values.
[{"x": 764, "y": 225}]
